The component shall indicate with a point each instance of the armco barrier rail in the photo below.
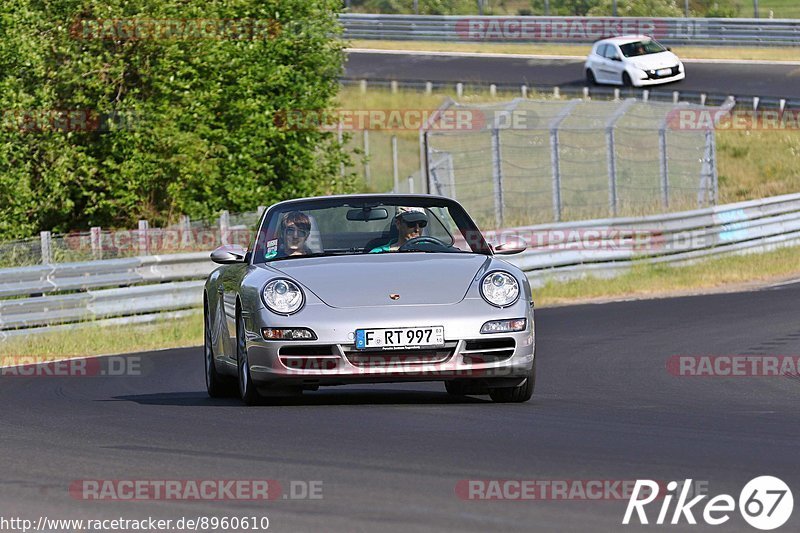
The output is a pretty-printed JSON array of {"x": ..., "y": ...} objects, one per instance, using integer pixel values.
[
  {"x": 136, "y": 288},
  {"x": 694, "y": 31}
]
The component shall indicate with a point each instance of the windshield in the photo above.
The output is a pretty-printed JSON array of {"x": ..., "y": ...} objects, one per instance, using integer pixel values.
[
  {"x": 364, "y": 225},
  {"x": 640, "y": 48}
]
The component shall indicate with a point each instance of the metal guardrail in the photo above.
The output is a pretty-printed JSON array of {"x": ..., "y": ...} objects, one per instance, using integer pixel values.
[
  {"x": 131, "y": 290},
  {"x": 694, "y": 31}
]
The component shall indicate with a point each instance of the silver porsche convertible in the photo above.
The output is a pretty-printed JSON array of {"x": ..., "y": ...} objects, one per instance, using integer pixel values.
[{"x": 368, "y": 289}]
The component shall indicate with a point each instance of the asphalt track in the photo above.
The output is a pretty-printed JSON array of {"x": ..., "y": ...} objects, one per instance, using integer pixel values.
[
  {"x": 390, "y": 456},
  {"x": 750, "y": 79}
]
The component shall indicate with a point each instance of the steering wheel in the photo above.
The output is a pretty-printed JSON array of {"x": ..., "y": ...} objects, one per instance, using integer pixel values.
[{"x": 411, "y": 243}]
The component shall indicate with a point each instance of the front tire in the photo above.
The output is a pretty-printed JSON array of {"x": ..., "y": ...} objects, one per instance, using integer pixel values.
[
  {"x": 591, "y": 81},
  {"x": 520, "y": 393},
  {"x": 626, "y": 80},
  {"x": 247, "y": 389},
  {"x": 217, "y": 385}
]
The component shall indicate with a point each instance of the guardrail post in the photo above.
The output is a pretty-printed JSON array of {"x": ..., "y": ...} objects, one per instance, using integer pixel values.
[
  {"x": 393, "y": 86},
  {"x": 395, "y": 169},
  {"x": 616, "y": 93},
  {"x": 705, "y": 171},
  {"x": 362, "y": 85},
  {"x": 782, "y": 104},
  {"x": 756, "y": 99},
  {"x": 459, "y": 89},
  {"x": 367, "y": 173},
  {"x": 703, "y": 97},
  {"x": 676, "y": 96},
  {"x": 411, "y": 184},
  {"x": 557, "y": 92},
  {"x": 492, "y": 89},
  {"x": 497, "y": 179},
  {"x": 224, "y": 227},
  {"x": 144, "y": 242},
  {"x": 47, "y": 254},
  {"x": 586, "y": 93},
  {"x": 95, "y": 238},
  {"x": 524, "y": 91},
  {"x": 645, "y": 95},
  {"x": 428, "y": 87}
]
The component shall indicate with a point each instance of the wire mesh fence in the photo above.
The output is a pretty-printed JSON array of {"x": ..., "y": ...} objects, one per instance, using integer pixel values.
[{"x": 529, "y": 161}]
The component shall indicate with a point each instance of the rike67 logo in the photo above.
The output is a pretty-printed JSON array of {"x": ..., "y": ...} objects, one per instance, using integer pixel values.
[{"x": 765, "y": 503}]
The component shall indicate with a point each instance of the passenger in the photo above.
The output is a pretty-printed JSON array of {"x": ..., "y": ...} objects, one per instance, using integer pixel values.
[
  {"x": 409, "y": 222},
  {"x": 292, "y": 235}
]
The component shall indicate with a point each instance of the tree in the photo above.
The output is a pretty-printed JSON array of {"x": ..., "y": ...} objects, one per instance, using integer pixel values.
[{"x": 104, "y": 127}]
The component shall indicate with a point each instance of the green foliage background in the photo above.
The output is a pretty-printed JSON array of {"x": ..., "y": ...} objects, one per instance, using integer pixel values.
[{"x": 201, "y": 134}]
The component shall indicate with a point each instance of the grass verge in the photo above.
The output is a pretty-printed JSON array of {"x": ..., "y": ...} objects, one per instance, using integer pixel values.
[
  {"x": 684, "y": 52},
  {"x": 96, "y": 339},
  {"x": 729, "y": 273}
]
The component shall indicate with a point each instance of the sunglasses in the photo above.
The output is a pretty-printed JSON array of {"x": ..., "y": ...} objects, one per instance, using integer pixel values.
[
  {"x": 415, "y": 224},
  {"x": 300, "y": 232}
]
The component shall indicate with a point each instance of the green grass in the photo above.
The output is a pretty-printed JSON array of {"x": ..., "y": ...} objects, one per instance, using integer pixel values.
[
  {"x": 94, "y": 339},
  {"x": 647, "y": 280},
  {"x": 581, "y": 50}
]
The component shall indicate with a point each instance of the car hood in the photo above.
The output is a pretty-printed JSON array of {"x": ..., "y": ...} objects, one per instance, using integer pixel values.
[
  {"x": 367, "y": 280},
  {"x": 655, "y": 61}
]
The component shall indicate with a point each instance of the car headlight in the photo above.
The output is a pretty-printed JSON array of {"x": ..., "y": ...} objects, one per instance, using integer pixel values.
[
  {"x": 499, "y": 288},
  {"x": 283, "y": 296}
]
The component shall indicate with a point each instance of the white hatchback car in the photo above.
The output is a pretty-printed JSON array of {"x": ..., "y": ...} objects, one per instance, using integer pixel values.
[{"x": 632, "y": 60}]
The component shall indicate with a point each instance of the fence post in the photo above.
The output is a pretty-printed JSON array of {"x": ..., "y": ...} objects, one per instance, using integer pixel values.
[
  {"x": 411, "y": 185},
  {"x": 497, "y": 179},
  {"x": 144, "y": 242},
  {"x": 94, "y": 239},
  {"x": 428, "y": 87},
  {"x": 555, "y": 163},
  {"x": 706, "y": 172},
  {"x": 611, "y": 154},
  {"x": 459, "y": 89},
  {"x": 367, "y": 173},
  {"x": 224, "y": 227},
  {"x": 47, "y": 254},
  {"x": 714, "y": 175},
  {"x": 663, "y": 164},
  {"x": 185, "y": 225},
  {"x": 395, "y": 170},
  {"x": 340, "y": 137}
]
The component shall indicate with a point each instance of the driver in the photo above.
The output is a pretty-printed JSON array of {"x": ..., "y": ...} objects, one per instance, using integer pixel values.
[
  {"x": 409, "y": 222},
  {"x": 293, "y": 233}
]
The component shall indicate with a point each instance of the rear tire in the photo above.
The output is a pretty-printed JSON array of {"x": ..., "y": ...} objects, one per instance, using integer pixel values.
[
  {"x": 247, "y": 389},
  {"x": 520, "y": 393},
  {"x": 591, "y": 81},
  {"x": 217, "y": 385}
]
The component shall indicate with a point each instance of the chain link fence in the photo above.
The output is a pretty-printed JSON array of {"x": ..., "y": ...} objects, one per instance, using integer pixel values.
[{"x": 528, "y": 161}]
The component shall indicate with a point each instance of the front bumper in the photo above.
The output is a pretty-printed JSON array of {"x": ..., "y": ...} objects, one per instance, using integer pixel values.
[
  {"x": 333, "y": 360},
  {"x": 645, "y": 79}
]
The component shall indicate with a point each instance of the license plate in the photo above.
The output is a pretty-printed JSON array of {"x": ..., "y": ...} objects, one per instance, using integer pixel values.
[
  {"x": 664, "y": 71},
  {"x": 395, "y": 338}
]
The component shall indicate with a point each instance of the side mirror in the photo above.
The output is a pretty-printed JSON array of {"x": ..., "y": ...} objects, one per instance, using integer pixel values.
[
  {"x": 669, "y": 49},
  {"x": 228, "y": 254},
  {"x": 510, "y": 247}
]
